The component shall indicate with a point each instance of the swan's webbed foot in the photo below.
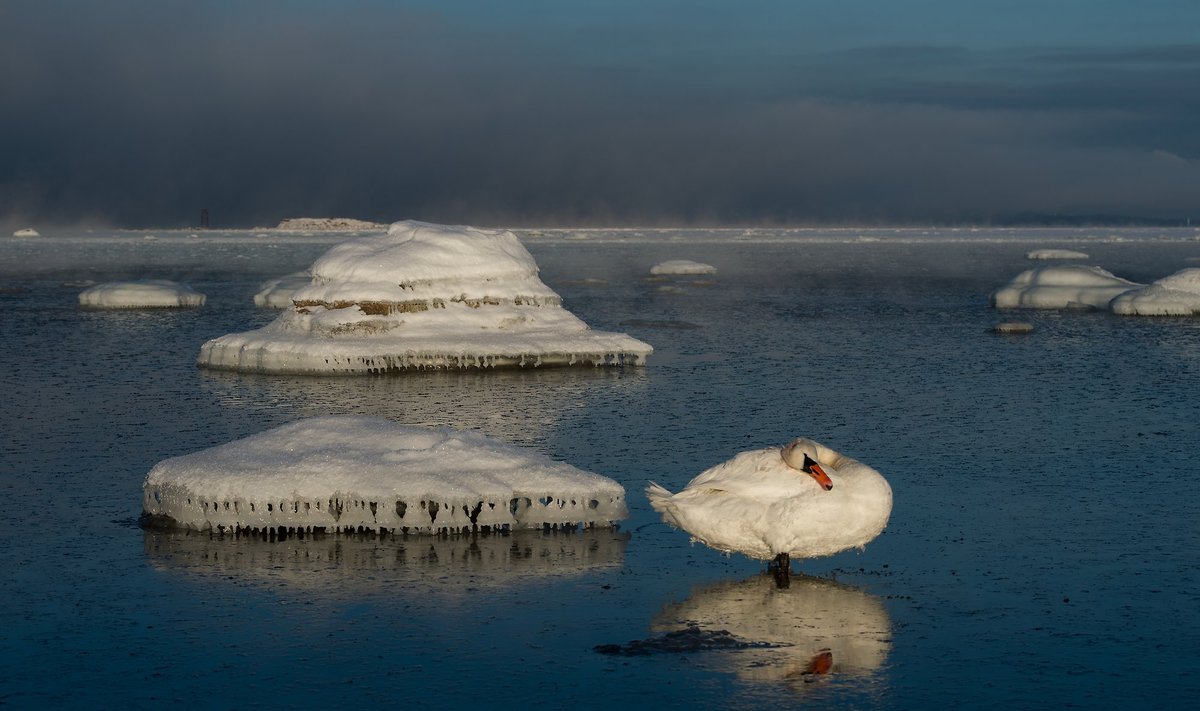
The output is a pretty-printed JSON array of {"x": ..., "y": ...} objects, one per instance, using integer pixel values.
[{"x": 781, "y": 570}]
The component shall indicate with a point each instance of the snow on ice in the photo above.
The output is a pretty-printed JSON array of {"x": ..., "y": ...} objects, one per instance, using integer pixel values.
[
  {"x": 143, "y": 294},
  {"x": 345, "y": 473},
  {"x": 1070, "y": 286},
  {"x": 682, "y": 266},
  {"x": 277, "y": 293},
  {"x": 422, "y": 296},
  {"x": 1175, "y": 295},
  {"x": 1055, "y": 254}
]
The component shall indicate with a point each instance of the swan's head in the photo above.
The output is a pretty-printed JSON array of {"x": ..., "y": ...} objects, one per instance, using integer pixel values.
[{"x": 802, "y": 455}]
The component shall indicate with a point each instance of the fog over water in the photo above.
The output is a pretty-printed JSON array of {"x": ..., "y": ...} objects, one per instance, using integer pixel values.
[{"x": 136, "y": 113}]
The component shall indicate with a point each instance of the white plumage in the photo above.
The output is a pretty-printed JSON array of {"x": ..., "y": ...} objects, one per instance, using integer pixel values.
[{"x": 802, "y": 500}]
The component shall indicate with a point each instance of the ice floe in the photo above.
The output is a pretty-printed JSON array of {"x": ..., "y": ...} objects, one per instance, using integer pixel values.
[
  {"x": 143, "y": 294},
  {"x": 422, "y": 296},
  {"x": 27, "y": 232},
  {"x": 1013, "y": 327},
  {"x": 682, "y": 266},
  {"x": 341, "y": 474},
  {"x": 1175, "y": 295},
  {"x": 277, "y": 293},
  {"x": 1071, "y": 286},
  {"x": 326, "y": 224},
  {"x": 1055, "y": 254}
]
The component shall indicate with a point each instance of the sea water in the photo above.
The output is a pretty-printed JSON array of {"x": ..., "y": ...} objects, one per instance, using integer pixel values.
[{"x": 1044, "y": 549}]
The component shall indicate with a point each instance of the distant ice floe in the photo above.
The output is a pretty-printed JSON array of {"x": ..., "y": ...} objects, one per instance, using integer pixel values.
[
  {"x": 1070, "y": 286},
  {"x": 358, "y": 474},
  {"x": 1175, "y": 295},
  {"x": 682, "y": 266},
  {"x": 326, "y": 224},
  {"x": 27, "y": 232},
  {"x": 422, "y": 296},
  {"x": 277, "y": 293},
  {"x": 143, "y": 294},
  {"x": 1013, "y": 327},
  {"x": 1055, "y": 254}
]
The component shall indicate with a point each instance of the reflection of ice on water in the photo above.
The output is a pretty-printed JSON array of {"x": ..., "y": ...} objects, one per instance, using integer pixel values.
[
  {"x": 350, "y": 565},
  {"x": 515, "y": 406},
  {"x": 816, "y": 626}
]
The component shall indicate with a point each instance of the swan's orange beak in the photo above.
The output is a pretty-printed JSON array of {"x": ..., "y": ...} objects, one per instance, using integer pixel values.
[
  {"x": 816, "y": 472},
  {"x": 821, "y": 663}
]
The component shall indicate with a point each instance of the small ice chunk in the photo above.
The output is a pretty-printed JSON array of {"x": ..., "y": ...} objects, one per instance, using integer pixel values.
[
  {"x": 1055, "y": 254},
  {"x": 277, "y": 293},
  {"x": 1175, "y": 295},
  {"x": 27, "y": 232},
  {"x": 682, "y": 266},
  {"x": 1071, "y": 286},
  {"x": 143, "y": 294},
  {"x": 369, "y": 474},
  {"x": 1013, "y": 327}
]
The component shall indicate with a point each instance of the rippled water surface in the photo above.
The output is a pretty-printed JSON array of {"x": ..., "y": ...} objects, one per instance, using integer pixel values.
[{"x": 1043, "y": 550}]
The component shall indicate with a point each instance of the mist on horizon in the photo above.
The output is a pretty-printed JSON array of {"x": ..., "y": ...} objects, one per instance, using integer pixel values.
[{"x": 136, "y": 114}]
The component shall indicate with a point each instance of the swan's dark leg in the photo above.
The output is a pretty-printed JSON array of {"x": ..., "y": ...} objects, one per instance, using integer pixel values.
[{"x": 782, "y": 570}]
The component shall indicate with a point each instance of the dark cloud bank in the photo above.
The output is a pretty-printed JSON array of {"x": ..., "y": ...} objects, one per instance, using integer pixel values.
[{"x": 144, "y": 114}]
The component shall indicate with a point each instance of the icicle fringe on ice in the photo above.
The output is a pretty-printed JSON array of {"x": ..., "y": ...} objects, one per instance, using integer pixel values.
[
  {"x": 365, "y": 474},
  {"x": 421, "y": 296}
]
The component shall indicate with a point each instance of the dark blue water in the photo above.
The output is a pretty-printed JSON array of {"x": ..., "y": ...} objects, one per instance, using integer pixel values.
[{"x": 1043, "y": 550}]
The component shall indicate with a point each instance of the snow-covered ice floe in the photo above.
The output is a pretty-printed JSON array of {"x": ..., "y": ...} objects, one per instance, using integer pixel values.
[
  {"x": 1175, "y": 295},
  {"x": 277, "y": 293},
  {"x": 143, "y": 294},
  {"x": 422, "y": 296},
  {"x": 343, "y": 474},
  {"x": 27, "y": 232},
  {"x": 1055, "y": 254},
  {"x": 1013, "y": 327},
  {"x": 682, "y": 266},
  {"x": 325, "y": 224},
  {"x": 1071, "y": 286}
]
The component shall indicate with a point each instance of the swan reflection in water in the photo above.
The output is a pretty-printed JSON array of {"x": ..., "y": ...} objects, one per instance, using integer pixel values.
[
  {"x": 762, "y": 632},
  {"x": 351, "y": 564}
]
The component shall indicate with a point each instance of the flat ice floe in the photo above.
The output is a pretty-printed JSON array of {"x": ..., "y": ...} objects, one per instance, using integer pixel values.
[
  {"x": 1071, "y": 286},
  {"x": 27, "y": 232},
  {"x": 682, "y": 266},
  {"x": 1175, "y": 295},
  {"x": 1055, "y": 254},
  {"x": 422, "y": 296},
  {"x": 143, "y": 294},
  {"x": 342, "y": 474}
]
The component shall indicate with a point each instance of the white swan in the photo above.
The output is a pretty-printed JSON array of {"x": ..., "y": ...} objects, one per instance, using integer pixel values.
[{"x": 803, "y": 500}]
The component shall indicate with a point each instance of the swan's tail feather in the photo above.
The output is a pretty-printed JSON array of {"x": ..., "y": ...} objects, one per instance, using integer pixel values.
[{"x": 660, "y": 498}]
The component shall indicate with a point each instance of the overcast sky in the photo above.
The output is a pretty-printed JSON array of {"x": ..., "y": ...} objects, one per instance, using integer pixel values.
[{"x": 605, "y": 112}]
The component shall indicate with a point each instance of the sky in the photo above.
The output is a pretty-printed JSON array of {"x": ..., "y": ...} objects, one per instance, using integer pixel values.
[{"x": 139, "y": 113}]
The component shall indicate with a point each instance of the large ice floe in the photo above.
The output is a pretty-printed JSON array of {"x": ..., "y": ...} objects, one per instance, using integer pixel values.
[
  {"x": 1070, "y": 286},
  {"x": 144, "y": 294},
  {"x": 422, "y": 296},
  {"x": 1175, "y": 295},
  {"x": 367, "y": 474}
]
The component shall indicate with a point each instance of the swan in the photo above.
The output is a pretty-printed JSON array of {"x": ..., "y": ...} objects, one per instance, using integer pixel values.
[{"x": 803, "y": 500}]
